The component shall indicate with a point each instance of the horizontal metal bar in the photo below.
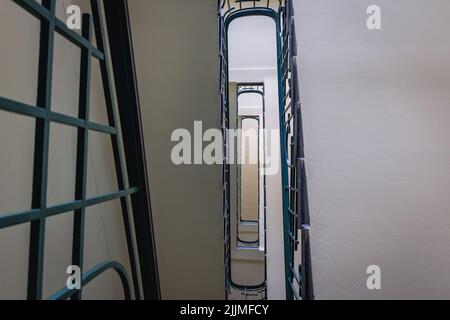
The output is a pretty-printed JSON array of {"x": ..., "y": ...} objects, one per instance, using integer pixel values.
[
  {"x": 41, "y": 113},
  {"x": 101, "y": 128},
  {"x": 35, "y": 214}
]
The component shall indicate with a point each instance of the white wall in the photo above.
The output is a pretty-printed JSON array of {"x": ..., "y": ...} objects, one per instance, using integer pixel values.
[
  {"x": 376, "y": 121},
  {"x": 104, "y": 233}
]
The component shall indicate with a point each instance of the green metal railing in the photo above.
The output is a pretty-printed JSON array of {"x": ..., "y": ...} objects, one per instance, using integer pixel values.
[
  {"x": 295, "y": 195},
  {"x": 226, "y": 178},
  {"x": 44, "y": 116},
  {"x": 231, "y": 6}
]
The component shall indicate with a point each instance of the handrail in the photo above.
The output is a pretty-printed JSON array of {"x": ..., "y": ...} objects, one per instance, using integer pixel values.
[{"x": 229, "y": 7}]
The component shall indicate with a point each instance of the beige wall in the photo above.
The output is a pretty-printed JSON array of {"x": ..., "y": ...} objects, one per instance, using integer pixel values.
[
  {"x": 104, "y": 234},
  {"x": 376, "y": 119},
  {"x": 176, "y": 47},
  {"x": 249, "y": 178}
]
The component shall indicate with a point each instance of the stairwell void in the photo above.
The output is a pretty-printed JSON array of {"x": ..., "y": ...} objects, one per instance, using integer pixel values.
[{"x": 237, "y": 74}]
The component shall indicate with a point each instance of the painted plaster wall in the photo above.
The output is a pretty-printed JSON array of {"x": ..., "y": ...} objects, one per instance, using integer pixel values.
[{"x": 376, "y": 120}]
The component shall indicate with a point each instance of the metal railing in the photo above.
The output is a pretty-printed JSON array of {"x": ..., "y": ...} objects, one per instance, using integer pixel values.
[
  {"x": 44, "y": 116},
  {"x": 296, "y": 210},
  {"x": 231, "y": 6},
  {"x": 296, "y": 221}
]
